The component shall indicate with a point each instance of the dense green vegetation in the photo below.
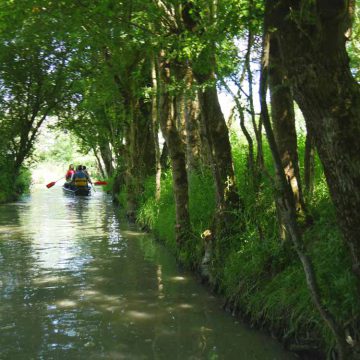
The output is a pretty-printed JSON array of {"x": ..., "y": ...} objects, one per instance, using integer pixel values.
[
  {"x": 14, "y": 186},
  {"x": 262, "y": 278},
  {"x": 54, "y": 151},
  {"x": 272, "y": 224}
]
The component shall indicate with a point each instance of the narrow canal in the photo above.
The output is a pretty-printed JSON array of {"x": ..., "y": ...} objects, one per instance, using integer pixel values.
[{"x": 75, "y": 283}]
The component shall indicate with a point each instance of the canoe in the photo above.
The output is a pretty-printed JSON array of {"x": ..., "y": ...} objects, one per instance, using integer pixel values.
[{"x": 76, "y": 191}]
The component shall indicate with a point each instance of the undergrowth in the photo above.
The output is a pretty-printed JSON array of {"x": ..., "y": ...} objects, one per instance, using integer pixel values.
[
  {"x": 261, "y": 275},
  {"x": 11, "y": 187}
]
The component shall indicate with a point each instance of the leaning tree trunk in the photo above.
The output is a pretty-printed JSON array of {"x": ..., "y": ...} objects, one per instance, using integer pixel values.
[
  {"x": 177, "y": 155},
  {"x": 329, "y": 98}
]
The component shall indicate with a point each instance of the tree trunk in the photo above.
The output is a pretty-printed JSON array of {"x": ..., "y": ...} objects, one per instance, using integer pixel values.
[
  {"x": 256, "y": 127},
  {"x": 192, "y": 119},
  {"x": 309, "y": 165},
  {"x": 219, "y": 144},
  {"x": 329, "y": 98},
  {"x": 119, "y": 183},
  {"x": 283, "y": 119},
  {"x": 213, "y": 120},
  {"x": 106, "y": 156},
  {"x": 240, "y": 109},
  {"x": 287, "y": 207},
  {"x": 164, "y": 157},
  {"x": 131, "y": 166},
  {"x": 140, "y": 159},
  {"x": 179, "y": 113},
  {"x": 99, "y": 163},
  {"x": 205, "y": 152},
  {"x": 155, "y": 125},
  {"x": 145, "y": 142},
  {"x": 177, "y": 156}
]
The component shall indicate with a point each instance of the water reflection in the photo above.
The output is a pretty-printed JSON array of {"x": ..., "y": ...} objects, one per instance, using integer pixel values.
[{"x": 76, "y": 284}]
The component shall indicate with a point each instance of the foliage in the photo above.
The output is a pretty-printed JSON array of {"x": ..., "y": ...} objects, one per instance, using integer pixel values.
[
  {"x": 12, "y": 187},
  {"x": 201, "y": 192},
  {"x": 354, "y": 44},
  {"x": 90, "y": 65},
  {"x": 54, "y": 152},
  {"x": 262, "y": 276},
  {"x": 6, "y": 189},
  {"x": 159, "y": 217},
  {"x": 35, "y": 79},
  {"x": 59, "y": 149}
]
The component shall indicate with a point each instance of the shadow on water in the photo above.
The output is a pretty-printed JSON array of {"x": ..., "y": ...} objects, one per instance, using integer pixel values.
[{"x": 77, "y": 284}]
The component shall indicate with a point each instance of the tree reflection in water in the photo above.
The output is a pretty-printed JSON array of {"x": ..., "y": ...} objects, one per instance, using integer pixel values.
[{"x": 77, "y": 284}]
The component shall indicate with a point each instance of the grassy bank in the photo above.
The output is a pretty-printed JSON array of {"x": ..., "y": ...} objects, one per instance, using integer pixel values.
[{"x": 261, "y": 276}]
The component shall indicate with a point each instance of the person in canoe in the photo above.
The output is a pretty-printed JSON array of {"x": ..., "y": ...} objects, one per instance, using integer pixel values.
[
  {"x": 80, "y": 180},
  {"x": 68, "y": 176},
  {"x": 86, "y": 173}
]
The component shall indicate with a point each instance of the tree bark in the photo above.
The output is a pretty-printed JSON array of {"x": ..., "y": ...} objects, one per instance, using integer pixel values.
[
  {"x": 309, "y": 164},
  {"x": 283, "y": 119},
  {"x": 256, "y": 127},
  {"x": 140, "y": 159},
  {"x": 177, "y": 155},
  {"x": 315, "y": 57},
  {"x": 155, "y": 125},
  {"x": 219, "y": 144},
  {"x": 240, "y": 109},
  {"x": 287, "y": 207},
  {"x": 213, "y": 120},
  {"x": 131, "y": 165},
  {"x": 192, "y": 126},
  {"x": 164, "y": 157},
  {"x": 99, "y": 163},
  {"x": 106, "y": 156},
  {"x": 145, "y": 142}
]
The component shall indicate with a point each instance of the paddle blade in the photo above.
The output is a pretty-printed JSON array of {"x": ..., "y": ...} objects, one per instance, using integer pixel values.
[
  {"x": 49, "y": 185},
  {"x": 100, "y": 183}
]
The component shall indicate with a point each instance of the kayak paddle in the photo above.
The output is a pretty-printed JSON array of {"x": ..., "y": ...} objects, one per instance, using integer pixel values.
[
  {"x": 100, "y": 182},
  {"x": 49, "y": 185}
]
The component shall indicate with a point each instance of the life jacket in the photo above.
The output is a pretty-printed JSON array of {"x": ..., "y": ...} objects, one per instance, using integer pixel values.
[
  {"x": 69, "y": 174},
  {"x": 80, "y": 179}
]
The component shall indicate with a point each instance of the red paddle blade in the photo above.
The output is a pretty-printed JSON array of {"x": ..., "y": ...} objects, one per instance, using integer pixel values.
[
  {"x": 100, "y": 183},
  {"x": 49, "y": 185}
]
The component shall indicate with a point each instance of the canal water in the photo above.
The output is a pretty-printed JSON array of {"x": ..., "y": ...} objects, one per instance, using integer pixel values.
[{"x": 76, "y": 283}]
